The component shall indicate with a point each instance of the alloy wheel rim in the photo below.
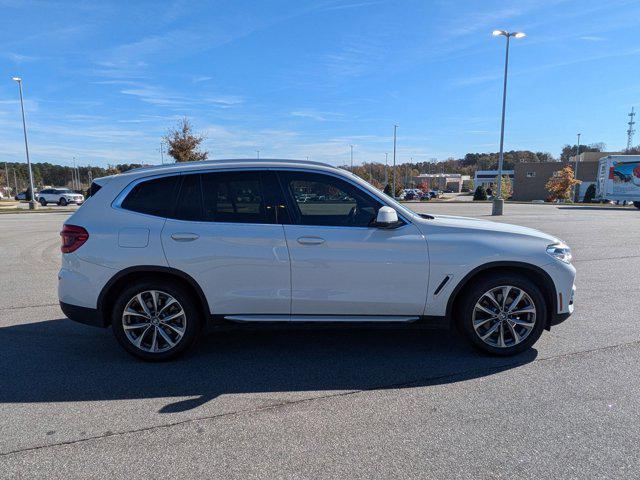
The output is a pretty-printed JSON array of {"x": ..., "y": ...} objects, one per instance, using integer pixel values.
[
  {"x": 154, "y": 321},
  {"x": 504, "y": 316}
]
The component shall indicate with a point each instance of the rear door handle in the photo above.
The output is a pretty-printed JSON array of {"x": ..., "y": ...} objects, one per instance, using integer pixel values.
[
  {"x": 184, "y": 237},
  {"x": 310, "y": 240}
]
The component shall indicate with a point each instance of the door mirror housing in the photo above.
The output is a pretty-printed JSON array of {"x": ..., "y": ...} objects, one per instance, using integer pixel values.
[{"x": 387, "y": 218}]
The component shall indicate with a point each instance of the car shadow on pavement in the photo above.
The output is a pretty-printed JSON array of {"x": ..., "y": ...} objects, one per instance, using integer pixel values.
[
  {"x": 595, "y": 207},
  {"x": 61, "y": 361}
]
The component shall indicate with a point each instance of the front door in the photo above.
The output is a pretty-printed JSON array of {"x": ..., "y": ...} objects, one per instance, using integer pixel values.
[
  {"x": 226, "y": 233},
  {"x": 341, "y": 265}
]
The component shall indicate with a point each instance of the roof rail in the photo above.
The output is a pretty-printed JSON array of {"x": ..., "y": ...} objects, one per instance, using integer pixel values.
[{"x": 232, "y": 160}]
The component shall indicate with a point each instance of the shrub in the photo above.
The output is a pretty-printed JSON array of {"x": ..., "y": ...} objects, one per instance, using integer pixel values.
[
  {"x": 480, "y": 193},
  {"x": 590, "y": 194}
]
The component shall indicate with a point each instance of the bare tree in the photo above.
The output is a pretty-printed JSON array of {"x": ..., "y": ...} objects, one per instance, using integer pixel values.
[{"x": 184, "y": 145}]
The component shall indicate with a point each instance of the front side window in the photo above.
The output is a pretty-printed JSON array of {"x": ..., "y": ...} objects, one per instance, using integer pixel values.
[
  {"x": 152, "y": 197},
  {"x": 329, "y": 201}
]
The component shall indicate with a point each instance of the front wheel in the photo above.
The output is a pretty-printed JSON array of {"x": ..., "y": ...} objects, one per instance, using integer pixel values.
[
  {"x": 155, "y": 320},
  {"x": 62, "y": 202},
  {"x": 503, "y": 315},
  {"x": 636, "y": 204}
]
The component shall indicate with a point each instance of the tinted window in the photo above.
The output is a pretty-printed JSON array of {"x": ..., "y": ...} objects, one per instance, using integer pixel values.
[
  {"x": 327, "y": 200},
  {"x": 94, "y": 189},
  {"x": 189, "y": 205},
  {"x": 235, "y": 197},
  {"x": 45, "y": 191},
  {"x": 153, "y": 197}
]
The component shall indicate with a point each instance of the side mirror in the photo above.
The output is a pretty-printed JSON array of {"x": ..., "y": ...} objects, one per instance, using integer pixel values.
[{"x": 387, "y": 218}]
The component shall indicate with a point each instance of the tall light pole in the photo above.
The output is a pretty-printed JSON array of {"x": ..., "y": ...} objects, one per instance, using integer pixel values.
[
  {"x": 393, "y": 187},
  {"x": 386, "y": 168},
  {"x": 258, "y": 152},
  {"x": 576, "y": 187},
  {"x": 74, "y": 175},
  {"x": 32, "y": 202},
  {"x": 498, "y": 202},
  {"x": 351, "y": 158},
  {"x": 6, "y": 173}
]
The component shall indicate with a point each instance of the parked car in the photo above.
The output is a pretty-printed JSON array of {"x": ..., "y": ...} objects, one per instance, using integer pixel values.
[
  {"x": 22, "y": 196},
  {"x": 160, "y": 252},
  {"x": 61, "y": 196}
]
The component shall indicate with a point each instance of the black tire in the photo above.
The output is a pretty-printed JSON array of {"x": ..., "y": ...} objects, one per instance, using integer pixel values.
[
  {"x": 636, "y": 204},
  {"x": 485, "y": 284},
  {"x": 43, "y": 202},
  {"x": 185, "y": 299},
  {"x": 62, "y": 202}
]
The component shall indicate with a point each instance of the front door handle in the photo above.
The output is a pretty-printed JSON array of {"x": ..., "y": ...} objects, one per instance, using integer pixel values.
[
  {"x": 310, "y": 240},
  {"x": 184, "y": 237}
]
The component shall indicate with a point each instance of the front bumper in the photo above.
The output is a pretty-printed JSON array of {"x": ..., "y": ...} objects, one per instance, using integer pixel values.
[
  {"x": 88, "y": 316},
  {"x": 558, "y": 318}
]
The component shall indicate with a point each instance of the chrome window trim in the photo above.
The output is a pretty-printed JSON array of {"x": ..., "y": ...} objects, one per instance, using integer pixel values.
[{"x": 117, "y": 202}]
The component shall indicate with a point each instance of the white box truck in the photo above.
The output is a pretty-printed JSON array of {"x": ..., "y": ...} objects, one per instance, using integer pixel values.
[{"x": 619, "y": 179}]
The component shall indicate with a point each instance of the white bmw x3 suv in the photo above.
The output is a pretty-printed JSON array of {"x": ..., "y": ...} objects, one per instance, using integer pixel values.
[
  {"x": 61, "y": 196},
  {"x": 160, "y": 253}
]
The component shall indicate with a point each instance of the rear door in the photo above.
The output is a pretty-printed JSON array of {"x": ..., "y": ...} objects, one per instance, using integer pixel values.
[
  {"x": 341, "y": 265},
  {"x": 226, "y": 232}
]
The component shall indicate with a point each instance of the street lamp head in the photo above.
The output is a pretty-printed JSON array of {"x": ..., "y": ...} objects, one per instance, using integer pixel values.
[
  {"x": 16, "y": 79},
  {"x": 497, "y": 33},
  {"x": 519, "y": 34}
]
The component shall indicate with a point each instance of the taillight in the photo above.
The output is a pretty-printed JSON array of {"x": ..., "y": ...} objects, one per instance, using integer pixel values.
[{"x": 73, "y": 237}]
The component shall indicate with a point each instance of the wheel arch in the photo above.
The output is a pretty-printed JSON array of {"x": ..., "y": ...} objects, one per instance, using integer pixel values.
[
  {"x": 123, "y": 278},
  {"x": 542, "y": 278}
]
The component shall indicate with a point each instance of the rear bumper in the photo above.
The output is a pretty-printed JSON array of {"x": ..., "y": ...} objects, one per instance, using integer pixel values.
[{"x": 88, "y": 316}]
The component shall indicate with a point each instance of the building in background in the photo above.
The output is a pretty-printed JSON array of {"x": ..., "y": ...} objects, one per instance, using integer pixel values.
[
  {"x": 487, "y": 178},
  {"x": 530, "y": 178},
  {"x": 455, "y": 182}
]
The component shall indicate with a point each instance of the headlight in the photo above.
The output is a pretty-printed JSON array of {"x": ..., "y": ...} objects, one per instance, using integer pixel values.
[{"x": 561, "y": 251}]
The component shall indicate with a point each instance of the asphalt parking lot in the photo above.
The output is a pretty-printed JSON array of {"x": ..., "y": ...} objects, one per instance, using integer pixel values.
[{"x": 327, "y": 404}]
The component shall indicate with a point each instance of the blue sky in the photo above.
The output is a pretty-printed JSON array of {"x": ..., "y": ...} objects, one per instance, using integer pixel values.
[{"x": 104, "y": 80}]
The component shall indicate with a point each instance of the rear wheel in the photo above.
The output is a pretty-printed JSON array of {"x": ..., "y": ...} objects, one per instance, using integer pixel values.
[
  {"x": 43, "y": 202},
  {"x": 503, "y": 315},
  {"x": 155, "y": 320}
]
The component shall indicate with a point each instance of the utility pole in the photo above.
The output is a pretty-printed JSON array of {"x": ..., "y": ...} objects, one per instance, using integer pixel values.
[
  {"x": 258, "y": 152},
  {"x": 631, "y": 131},
  {"x": 576, "y": 188},
  {"x": 15, "y": 181},
  {"x": 162, "y": 153},
  {"x": 393, "y": 187}
]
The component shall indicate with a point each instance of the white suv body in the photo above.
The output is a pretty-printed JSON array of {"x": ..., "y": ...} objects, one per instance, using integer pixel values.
[
  {"x": 244, "y": 241},
  {"x": 61, "y": 196}
]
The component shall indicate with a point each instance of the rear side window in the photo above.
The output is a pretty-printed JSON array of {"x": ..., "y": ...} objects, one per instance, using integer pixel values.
[
  {"x": 152, "y": 197},
  {"x": 233, "y": 197},
  {"x": 189, "y": 206},
  {"x": 94, "y": 189}
]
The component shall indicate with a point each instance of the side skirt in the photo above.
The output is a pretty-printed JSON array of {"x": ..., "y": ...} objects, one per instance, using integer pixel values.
[{"x": 286, "y": 322}]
